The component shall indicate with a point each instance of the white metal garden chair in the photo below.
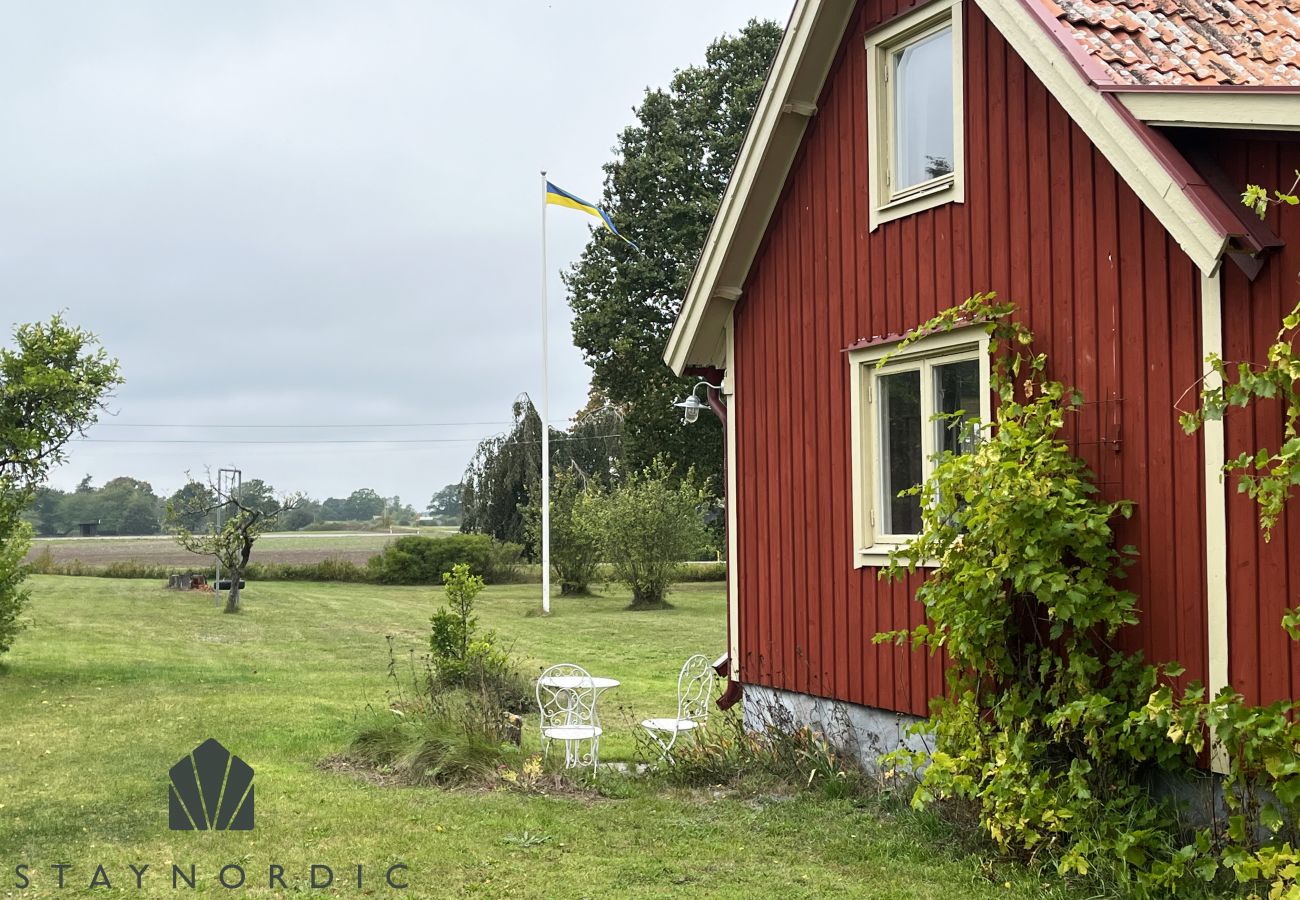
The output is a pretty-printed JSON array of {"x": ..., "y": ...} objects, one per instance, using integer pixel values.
[
  {"x": 694, "y": 693},
  {"x": 566, "y": 699}
]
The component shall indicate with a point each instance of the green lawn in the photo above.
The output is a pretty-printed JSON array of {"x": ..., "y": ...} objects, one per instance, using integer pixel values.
[{"x": 116, "y": 680}]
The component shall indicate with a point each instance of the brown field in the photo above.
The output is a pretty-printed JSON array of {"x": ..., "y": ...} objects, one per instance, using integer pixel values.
[{"x": 291, "y": 547}]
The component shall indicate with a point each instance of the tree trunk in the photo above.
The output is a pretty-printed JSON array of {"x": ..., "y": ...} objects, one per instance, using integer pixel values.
[
  {"x": 232, "y": 596},
  {"x": 237, "y": 573}
]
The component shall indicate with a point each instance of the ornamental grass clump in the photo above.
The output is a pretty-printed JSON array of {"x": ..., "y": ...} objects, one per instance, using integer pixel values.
[{"x": 1042, "y": 727}]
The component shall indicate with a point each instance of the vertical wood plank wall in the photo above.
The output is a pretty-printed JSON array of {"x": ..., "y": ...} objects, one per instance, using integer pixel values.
[
  {"x": 1263, "y": 577},
  {"x": 1046, "y": 223}
]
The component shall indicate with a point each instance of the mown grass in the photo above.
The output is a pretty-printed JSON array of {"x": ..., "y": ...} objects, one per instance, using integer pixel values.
[{"x": 116, "y": 680}]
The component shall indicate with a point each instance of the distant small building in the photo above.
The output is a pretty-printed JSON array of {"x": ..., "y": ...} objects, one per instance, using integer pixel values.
[{"x": 88, "y": 529}]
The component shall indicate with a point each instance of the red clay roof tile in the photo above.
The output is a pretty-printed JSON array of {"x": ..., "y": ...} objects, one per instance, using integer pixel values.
[{"x": 1188, "y": 42}]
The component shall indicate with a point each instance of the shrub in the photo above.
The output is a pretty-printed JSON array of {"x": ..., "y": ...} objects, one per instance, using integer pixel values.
[
  {"x": 575, "y": 542},
  {"x": 134, "y": 568},
  {"x": 461, "y": 655},
  {"x": 422, "y": 560},
  {"x": 42, "y": 563},
  {"x": 648, "y": 525},
  {"x": 13, "y": 597},
  {"x": 331, "y": 568},
  {"x": 503, "y": 564},
  {"x": 432, "y": 733}
]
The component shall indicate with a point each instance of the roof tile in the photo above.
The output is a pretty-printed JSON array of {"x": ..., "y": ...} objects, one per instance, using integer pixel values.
[{"x": 1172, "y": 42}]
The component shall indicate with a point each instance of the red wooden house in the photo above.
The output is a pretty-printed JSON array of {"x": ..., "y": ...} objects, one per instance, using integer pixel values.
[{"x": 1081, "y": 158}]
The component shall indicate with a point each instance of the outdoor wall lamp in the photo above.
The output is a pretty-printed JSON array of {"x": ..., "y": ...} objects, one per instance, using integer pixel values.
[{"x": 692, "y": 405}]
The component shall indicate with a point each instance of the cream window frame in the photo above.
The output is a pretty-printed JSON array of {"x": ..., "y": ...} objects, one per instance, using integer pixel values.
[
  {"x": 885, "y": 204},
  {"x": 871, "y": 545}
]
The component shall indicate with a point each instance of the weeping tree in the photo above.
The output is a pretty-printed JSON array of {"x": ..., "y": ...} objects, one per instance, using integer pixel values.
[
  {"x": 235, "y": 522},
  {"x": 504, "y": 477}
]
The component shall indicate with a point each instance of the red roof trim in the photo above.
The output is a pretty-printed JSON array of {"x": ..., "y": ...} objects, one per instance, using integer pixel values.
[{"x": 1115, "y": 88}]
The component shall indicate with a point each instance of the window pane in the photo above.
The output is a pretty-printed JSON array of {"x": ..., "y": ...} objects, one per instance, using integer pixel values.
[
  {"x": 900, "y": 456},
  {"x": 956, "y": 387},
  {"x": 923, "y": 108}
]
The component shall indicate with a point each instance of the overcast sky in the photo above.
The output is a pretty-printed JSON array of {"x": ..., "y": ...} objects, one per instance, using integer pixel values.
[{"x": 316, "y": 213}]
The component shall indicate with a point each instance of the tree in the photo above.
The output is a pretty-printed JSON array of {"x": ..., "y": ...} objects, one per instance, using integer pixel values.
[
  {"x": 663, "y": 189},
  {"x": 363, "y": 505},
  {"x": 446, "y": 504},
  {"x": 124, "y": 506},
  {"x": 257, "y": 493},
  {"x": 648, "y": 526},
  {"x": 299, "y": 517},
  {"x": 45, "y": 511},
  {"x": 187, "y": 508},
  {"x": 334, "y": 509},
  {"x": 242, "y": 523},
  {"x": 53, "y": 383}
]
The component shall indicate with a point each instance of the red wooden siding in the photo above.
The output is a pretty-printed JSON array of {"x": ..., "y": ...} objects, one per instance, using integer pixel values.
[
  {"x": 1263, "y": 577},
  {"x": 1047, "y": 223}
]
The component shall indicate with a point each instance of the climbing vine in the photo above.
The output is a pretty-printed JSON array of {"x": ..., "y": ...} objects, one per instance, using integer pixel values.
[
  {"x": 1261, "y": 744},
  {"x": 1047, "y": 727},
  {"x": 1044, "y": 724}
]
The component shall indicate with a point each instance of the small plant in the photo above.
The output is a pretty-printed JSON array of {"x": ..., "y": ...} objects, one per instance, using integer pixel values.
[
  {"x": 527, "y": 840},
  {"x": 463, "y": 656},
  {"x": 430, "y": 733}
]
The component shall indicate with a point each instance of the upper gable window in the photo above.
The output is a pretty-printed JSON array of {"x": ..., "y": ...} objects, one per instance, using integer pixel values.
[{"x": 915, "y": 112}]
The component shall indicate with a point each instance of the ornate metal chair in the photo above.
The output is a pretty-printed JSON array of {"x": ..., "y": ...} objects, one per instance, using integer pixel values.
[
  {"x": 694, "y": 693},
  {"x": 566, "y": 698}
]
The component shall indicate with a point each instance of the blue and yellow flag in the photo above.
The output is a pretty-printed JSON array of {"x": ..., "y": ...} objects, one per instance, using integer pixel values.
[{"x": 564, "y": 198}]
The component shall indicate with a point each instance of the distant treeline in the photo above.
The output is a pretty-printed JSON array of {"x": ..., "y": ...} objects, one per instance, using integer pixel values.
[{"x": 128, "y": 506}]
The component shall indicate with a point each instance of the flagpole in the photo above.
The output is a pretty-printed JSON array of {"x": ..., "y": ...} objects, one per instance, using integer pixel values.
[{"x": 546, "y": 432}]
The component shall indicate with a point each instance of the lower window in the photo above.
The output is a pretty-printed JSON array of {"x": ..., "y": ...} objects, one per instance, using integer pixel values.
[{"x": 896, "y": 434}]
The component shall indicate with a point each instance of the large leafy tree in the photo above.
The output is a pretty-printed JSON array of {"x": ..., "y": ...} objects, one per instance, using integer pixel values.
[
  {"x": 53, "y": 382},
  {"x": 663, "y": 189}
]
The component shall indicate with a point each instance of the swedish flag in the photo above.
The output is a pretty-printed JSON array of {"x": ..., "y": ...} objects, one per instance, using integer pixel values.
[{"x": 564, "y": 198}]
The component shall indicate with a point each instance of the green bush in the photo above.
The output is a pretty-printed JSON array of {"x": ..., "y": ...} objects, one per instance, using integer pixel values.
[
  {"x": 461, "y": 655},
  {"x": 648, "y": 525},
  {"x": 575, "y": 542},
  {"x": 422, "y": 560}
]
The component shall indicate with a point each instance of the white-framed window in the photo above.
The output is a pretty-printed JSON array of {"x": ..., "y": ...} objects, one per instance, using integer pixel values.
[
  {"x": 895, "y": 435},
  {"x": 915, "y": 112}
]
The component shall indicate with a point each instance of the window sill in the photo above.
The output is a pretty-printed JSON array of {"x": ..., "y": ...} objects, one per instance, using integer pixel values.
[
  {"x": 911, "y": 204},
  {"x": 877, "y": 557}
]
